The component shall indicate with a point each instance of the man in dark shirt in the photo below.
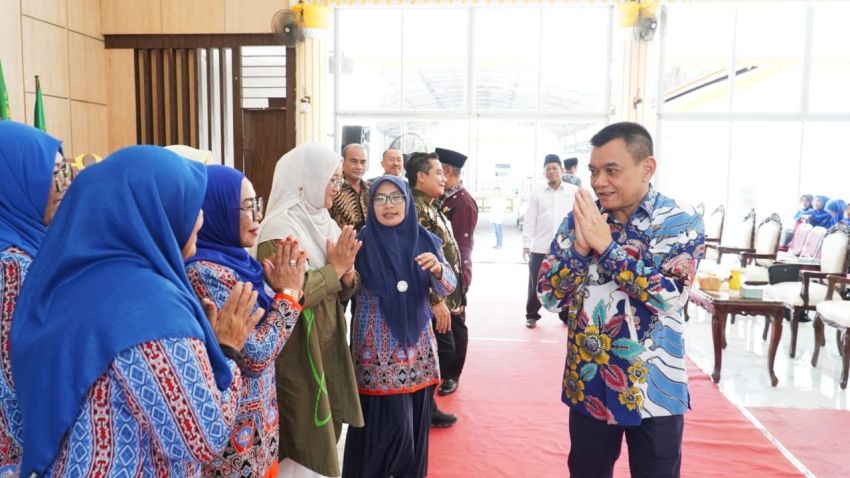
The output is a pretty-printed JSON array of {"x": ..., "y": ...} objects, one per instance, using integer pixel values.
[{"x": 460, "y": 209}]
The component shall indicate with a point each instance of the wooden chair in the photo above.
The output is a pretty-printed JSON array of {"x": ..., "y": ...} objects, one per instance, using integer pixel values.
[
  {"x": 740, "y": 240},
  {"x": 766, "y": 245},
  {"x": 714, "y": 230},
  {"x": 834, "y": 312},
  {"x": 801, "y": 290}
]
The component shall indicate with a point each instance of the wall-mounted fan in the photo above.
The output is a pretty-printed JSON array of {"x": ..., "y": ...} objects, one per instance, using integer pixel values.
[
  {"x": 288, "y": 28},
  {"x": 642, "y": 16},
  {"x": 409, "y": 143}
]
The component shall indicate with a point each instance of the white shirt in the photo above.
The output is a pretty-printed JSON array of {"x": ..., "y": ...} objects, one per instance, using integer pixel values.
[{"x": 547, "y": 208}]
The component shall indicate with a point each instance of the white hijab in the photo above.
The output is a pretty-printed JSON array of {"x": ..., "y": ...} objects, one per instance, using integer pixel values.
[{"x": 297, "y": 201}]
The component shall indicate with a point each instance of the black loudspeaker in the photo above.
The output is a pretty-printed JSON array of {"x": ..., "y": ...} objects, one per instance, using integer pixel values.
[{"x": 354, "y": 134}]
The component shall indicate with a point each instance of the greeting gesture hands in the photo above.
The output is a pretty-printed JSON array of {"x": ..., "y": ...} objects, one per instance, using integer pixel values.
[
  {"x": 234, "y": 321},
  {"x": 285, "y": 268},
  {"x": 342, "y": 253},
  {"x": 592, "y": 230}
]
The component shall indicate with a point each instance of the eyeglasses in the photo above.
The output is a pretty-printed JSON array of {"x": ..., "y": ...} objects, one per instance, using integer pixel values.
[
  {"x": 256, "y": 208},
  {"x": 337, "y": 183},
  {"x": 62, "y": 176},
  {"x": 393, "y": 198}
]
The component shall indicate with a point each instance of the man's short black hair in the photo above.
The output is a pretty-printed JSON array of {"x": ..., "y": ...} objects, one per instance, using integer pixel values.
[
  {"x": 418, "y": 162},
  {"x": 637, "y": 138}
]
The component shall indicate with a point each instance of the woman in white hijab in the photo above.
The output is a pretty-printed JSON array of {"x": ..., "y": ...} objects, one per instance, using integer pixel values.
[{"x": 316, "y": 389}]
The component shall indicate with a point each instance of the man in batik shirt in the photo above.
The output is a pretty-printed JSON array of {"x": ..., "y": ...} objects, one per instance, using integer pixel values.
[
  {"x": 352, "y": 203},
  {"x": 622, "y": 268}
]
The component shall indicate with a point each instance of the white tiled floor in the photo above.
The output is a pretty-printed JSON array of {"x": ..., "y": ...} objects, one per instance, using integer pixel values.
[{"x": 744, "y": 378}]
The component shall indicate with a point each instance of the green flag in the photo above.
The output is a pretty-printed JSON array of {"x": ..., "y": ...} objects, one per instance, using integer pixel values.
[
  {"x": 5, "y": 110},
  {"x": 38, "y": 115}
]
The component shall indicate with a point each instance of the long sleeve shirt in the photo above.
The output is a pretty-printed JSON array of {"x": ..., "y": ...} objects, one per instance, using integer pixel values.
[
  {"x": 252, "y": 448},
  {"x": 351, "y": 207},
  {"x": 156, "y": 411},
  {"x": 433, "y": 220},
  {"x": 626, "y": 353},
  {"x": 462, "y": 212},
  {"x": 547, "y": 207},
  {"x": 14, "y": 264},
  {"x": 382, "y": 364}
]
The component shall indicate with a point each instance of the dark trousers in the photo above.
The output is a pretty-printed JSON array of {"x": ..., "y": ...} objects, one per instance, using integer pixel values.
[
  {"x": 655, "y": 447},
  {"x": 460, "y": 336},
  {"x": 445, "y": 348},
  {"x": 532, "y": 304}
]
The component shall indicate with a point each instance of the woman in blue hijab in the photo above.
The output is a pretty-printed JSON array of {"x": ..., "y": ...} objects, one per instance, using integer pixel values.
[
  {"x": 118, "y": 369},
  {"x": 33, "y": 179},
  {"x": 835, "y": 208},
  {"x": 805, "y": 207},
  {"x": 819, "y": 216},
  {"x": 392, "y": 343},
  {"x": 232, "y": 214}
]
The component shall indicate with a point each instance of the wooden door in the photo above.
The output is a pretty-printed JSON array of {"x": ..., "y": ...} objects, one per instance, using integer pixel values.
[{"x": 264, "y": 141}]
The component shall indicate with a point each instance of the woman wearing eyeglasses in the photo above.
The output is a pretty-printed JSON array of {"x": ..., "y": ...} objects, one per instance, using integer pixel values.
[
  {"x": 316, "y": 390},
  {"x": 32, "y": 185},
  {"x": 232, "y": 213},
  {"x": 392, "y": 342}
]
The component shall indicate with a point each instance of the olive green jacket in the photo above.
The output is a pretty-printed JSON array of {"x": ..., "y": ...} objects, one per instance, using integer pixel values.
[{"x": 316, "y": 388}]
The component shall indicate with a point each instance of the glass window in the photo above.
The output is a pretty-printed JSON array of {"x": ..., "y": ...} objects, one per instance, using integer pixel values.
[
  {"x": 567, "y": 140},
  {"x": 765, "y": 165},
  {"x": 507, "y": 41},
  {"x": 768, "y": 56},
  {"x": 370, "y": 59},
  {"x": 691, "y": 173},
  {"x": 698, "y": 49},
  {"x": 830, "y": 72},
  {"x": 826, "y": 167},
  {"x": 507, "y": 157},
  {"x": 435, "y": 58},
  {"x": 571, "y": 37}
]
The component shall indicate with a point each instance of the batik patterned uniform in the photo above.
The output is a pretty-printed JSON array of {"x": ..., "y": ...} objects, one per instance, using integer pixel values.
[
  {"x": 350, "y": 207},
  {"x": 626, "y": 356},
  {"x": 156, "y": 411},
  {"x": 433, "y": 220},
  {"x": 252, "y": 448},
  {"x": 382, "y": 365},
  {"x": 13, "y": 269}
]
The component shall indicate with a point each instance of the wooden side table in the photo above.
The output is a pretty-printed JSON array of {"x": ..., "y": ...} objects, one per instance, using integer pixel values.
[{"x": 724, "y": 302}]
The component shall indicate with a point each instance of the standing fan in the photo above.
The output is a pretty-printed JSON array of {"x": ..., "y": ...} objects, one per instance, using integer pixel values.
[
  {"x": 409, "y": 143},
  {"x": 288, "y": 27}
]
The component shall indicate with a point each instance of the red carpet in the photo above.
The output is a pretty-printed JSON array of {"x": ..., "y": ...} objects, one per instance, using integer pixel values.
[
  {"x": 815, "y": 437},
  {"x": 512, "y": 422}
]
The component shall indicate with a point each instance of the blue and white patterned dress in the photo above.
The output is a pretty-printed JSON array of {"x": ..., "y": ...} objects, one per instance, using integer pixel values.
[
  {"x": 14, "y": 264},
  {"x": 156, "y": 411},
  {"x": 626, "y": 353},
  {"x": 253, "y": 445}
]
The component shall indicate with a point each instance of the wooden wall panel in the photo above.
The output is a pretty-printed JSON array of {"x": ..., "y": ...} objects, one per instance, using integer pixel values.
[
  {"x": 11, "y": 55},
  {"x": 193, "y": 16},
  {"x": 87, "y": 59},
  {"x": 131, "y": 16},
  {"x": 121, "y": 117},
  {"x": 84, "y": 17},
  {"x": 51, "y": 11},
  {"x": 57, "y": 116},
  {"x": 250, "y": 16},
  {"x": 45, "y": 54},
  {"x": 90, "y": 123}
]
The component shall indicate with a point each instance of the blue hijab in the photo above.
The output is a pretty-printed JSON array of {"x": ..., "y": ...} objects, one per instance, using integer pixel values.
[
  {"x": 109, "y": 276},
  {"x": 218, "y": 240},
  {"x": 820, "y": 217},
  {"x": 387, "y": 257},
  {"x": 27, "y": 157},
  {"x": 835, "y": 208},
  {"x": 804, "y": 211}
]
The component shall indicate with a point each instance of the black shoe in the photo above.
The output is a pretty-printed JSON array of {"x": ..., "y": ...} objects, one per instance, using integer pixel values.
[
  {"x": 530, "y": 323},
  {"x": 441, "y": 419},
  {"x": 448, "y": 387}
]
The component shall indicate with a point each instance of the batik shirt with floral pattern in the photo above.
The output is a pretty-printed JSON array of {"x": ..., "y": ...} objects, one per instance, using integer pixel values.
[{"x": 626, "y": 354}]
